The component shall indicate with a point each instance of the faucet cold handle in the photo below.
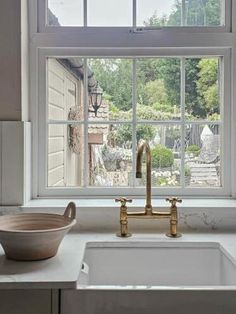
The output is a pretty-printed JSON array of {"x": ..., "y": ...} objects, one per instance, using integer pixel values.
[
  {"x": 123, "y": 217},
  {"x": 123, "y": 200},
  {"x": 174, "y": 200},
  {"x": 173, "y": 217}
]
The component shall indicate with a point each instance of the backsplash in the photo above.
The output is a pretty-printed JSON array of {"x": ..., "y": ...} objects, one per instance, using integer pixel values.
[{"x": 106, "y": 219}]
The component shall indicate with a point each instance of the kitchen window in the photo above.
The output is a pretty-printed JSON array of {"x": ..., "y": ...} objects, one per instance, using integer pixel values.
[{"x": 161, "y": 73}]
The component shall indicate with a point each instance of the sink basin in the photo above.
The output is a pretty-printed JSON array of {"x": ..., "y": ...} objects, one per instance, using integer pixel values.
[
  {"x": 153, "y": 278},
  {"x": 157, "y": 264}
]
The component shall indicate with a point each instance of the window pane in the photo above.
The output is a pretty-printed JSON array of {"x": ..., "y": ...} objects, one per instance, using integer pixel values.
[
  {"x": 202, "y": 156},
  {"x": 110, "y": 155},
  {"x": 202, "y": 90},
  {"x": 65, "y": 13},
  {"x": 65, "y": 89},
  {"x": 65, "y": 155},
  {"x": 113, "y": 78},
  {"x": 204, "y": 12},
  {"x": 158, "y": 89},
  {"x": 165, "y": 147},
  {"x": 158, "y": 13},
  {"x": 110, "y": 13},
  {"x": 180, "y": 13}
]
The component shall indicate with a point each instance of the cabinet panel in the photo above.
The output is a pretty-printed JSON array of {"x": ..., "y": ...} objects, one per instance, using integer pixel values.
[{"x": 25, "y": 302}]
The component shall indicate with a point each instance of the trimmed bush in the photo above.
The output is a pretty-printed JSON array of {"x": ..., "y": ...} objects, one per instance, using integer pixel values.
[
  {"x": 193, "y": 149},
  {"x": 162, "y": 157}
]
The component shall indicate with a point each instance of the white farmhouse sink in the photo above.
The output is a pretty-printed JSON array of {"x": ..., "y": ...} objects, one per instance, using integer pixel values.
[
  {"x": 153, "y": 278},
  {"x": 157, "y": 264}
]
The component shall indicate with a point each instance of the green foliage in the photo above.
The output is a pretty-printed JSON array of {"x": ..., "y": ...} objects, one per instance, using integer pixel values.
[
  {"x": 158, "y": 79},
  {"x": 207, "y": 84},
  {"x": 169, "y": 69},
  {"x": 187, "y": 171},
  {"x": 193, "y": 149},
  {"x": 154, "y": 92},
  {"x": 214, "y": 117},
  {"x": 192, "y": 104},
  {"x": 145, "y": 132},
  {"x": 204, "y": 12},
  {"x": 150, "y": 113},
  {"x": 124, "y": 133},
  {"x": 115, "y": 78},
  {"x": 162, "y": 157},
  {"x": 166, "y": 108}
]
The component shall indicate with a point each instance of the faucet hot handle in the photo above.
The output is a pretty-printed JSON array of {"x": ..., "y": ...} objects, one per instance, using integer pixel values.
[
  {"x": 174, "y": 200},
  {"x": 123, "y": 200}
]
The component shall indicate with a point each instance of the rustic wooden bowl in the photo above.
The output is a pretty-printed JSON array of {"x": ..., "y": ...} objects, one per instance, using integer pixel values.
[{"x": 35, "y": 236}]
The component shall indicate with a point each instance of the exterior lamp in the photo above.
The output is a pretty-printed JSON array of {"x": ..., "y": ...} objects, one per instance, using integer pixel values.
[{"x": 95, "y": 99}]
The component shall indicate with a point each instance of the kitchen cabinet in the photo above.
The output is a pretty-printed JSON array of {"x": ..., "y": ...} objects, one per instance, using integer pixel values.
[{"x": 26, "y": 302}]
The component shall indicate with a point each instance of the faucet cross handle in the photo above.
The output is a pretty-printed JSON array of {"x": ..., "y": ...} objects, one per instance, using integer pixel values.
[
  {"x": 174, "y": 201},
  {"x": 123, "y": 201}
]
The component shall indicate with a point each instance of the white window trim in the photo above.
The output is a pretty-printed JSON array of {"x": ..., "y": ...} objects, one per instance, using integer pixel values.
[{"x": 162, "y": 42}]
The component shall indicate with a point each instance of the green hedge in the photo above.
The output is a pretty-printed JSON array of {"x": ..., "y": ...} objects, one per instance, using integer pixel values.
[
  {"x": 162, "y": 157},
  {"x": 193, "y": 149}
]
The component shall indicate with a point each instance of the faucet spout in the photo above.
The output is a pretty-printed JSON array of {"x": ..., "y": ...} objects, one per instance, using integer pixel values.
[{"x": 141, "y": 147}]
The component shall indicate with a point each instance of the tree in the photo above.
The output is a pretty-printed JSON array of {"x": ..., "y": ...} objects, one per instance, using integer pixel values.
[
  {"x": 115, "y": 78},
  {"x": 159, "y": 79},
  {"x": 207, "y": 84}
]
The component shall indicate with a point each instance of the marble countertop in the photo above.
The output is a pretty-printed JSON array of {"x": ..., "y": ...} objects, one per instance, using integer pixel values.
[{"x": 61, "y": 272}]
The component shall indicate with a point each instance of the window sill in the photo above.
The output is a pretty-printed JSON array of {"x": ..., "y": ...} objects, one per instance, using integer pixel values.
[{"x": 188, "y": 203}]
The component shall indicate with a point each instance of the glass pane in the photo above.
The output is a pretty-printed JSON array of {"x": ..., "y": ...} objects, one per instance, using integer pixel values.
[
  {"x": 202, "y": 91},
  {"x": 65, "y": 89},
  {"x": 202, "y": 156},
  {"x": 65, "y": 13},
  {"x": 65, "y": 155},
  {"x": 165, "y": 144},
  {"x": 158, "y": 13},
  {"x": 110, "y": 13},
  {"x": 180, "y": 13},
  {"x": 158, "y": 89},
  {"x": 204, "y": 12},
  {"x": 112, "y": 78},
  {"x": 110, "y": 155}
]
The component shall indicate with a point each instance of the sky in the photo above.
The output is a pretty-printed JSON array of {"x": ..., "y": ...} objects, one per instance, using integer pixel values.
[{"x": 107, "y": 12}]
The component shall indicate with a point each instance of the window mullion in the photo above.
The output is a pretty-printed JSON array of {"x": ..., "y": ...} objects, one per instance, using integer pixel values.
[
  {"x": 134, "y": 122},
  {"x": 134, "y": 13},
  {"x": 182, "y": 99},
  {"x": 183, "y": 14},
  {"x": 86, "y": 168},
  {"x": 85, "y": 13}
]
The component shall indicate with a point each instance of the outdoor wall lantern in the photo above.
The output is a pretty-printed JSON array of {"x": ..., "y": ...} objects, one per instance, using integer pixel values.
[{"x": 95, "y": 99}]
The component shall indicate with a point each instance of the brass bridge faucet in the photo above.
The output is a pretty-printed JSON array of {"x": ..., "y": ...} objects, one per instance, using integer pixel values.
[{"x": 148, "y": 213}]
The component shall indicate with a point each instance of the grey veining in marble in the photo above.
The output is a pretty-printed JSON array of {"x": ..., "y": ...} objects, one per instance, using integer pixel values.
[{"x": 103, "y": 215}]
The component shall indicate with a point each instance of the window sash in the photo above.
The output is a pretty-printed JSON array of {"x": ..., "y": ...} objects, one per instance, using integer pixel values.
[
  {"x": 43, "y": 190},
  {"x": 42, "y": 26}
]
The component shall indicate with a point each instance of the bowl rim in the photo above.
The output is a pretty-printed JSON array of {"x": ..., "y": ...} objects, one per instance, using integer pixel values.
[{"x": 70, "y": 224}]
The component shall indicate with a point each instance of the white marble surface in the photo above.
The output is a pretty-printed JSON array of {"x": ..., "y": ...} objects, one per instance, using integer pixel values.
[
  {"x": 62, "y": 271},
  {"x": 103, "y": 214}
]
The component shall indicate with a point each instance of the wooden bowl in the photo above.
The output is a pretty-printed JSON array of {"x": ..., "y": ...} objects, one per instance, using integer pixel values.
[{"x": 35, "y": 236}]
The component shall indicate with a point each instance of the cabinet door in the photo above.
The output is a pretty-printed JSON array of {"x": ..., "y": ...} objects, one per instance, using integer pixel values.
[{"x": 25, "y": 302}]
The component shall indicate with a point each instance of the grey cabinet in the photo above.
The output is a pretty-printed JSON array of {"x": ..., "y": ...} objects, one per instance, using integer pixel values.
[{"x": 26, "y": 302}]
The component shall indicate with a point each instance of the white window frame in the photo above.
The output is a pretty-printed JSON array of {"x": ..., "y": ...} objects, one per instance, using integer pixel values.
[{"x": 100, "y": 42}]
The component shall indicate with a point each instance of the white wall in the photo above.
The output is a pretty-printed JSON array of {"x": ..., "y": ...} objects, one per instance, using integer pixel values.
[
  {"x": 11, "y": 92},
  {"x": 62, "y": 94},
  {"x": 14, "y": 134}
]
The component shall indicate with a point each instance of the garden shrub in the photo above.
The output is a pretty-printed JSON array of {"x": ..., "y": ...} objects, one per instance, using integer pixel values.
[
  {"x": 162, "y": 157},
  {"x": 193, "y": 149}
]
